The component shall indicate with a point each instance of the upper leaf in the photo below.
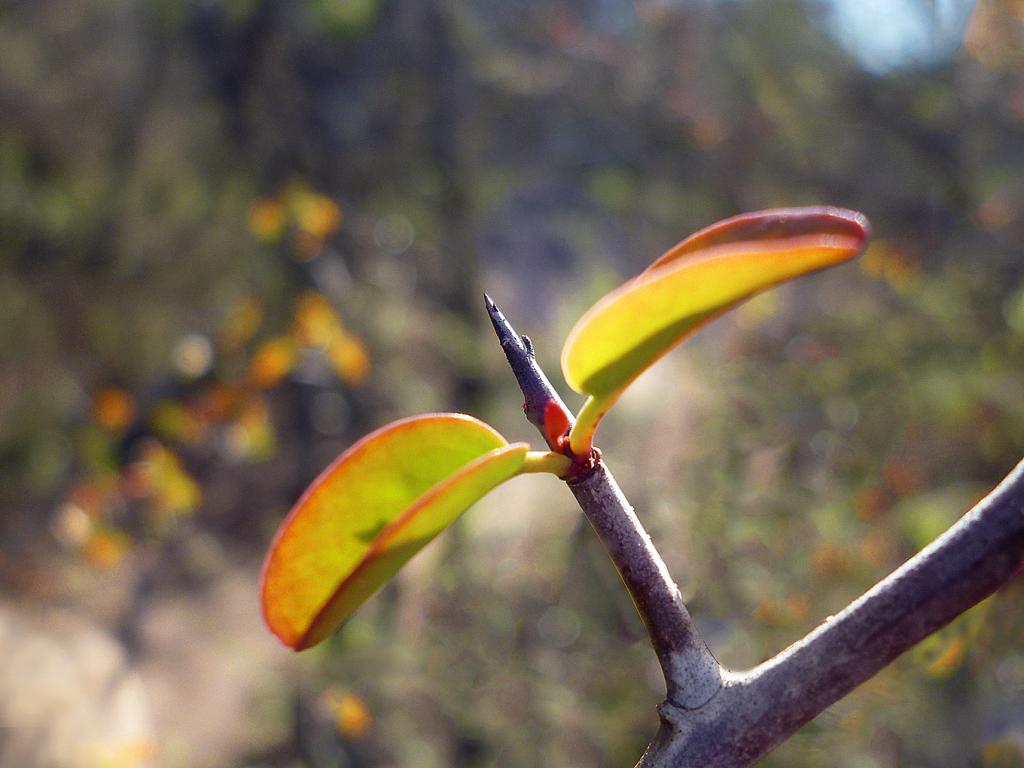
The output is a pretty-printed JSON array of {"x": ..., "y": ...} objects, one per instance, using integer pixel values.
[
  {"x": 377, "y": 505},
  {"x": 697, "y": 280}
]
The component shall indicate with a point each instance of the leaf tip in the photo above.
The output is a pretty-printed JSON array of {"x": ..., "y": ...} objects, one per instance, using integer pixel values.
[{"x": 864, "y": 224}]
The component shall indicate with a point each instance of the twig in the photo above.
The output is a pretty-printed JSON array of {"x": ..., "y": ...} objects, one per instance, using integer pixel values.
[
  {"x": 692, "y": 675},
  {"x": 537, "y": 390}
]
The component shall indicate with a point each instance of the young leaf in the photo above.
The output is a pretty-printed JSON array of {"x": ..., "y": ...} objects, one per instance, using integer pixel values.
[
  {"x": 697, "y": 280},
  {"x": 377, "y": 505}
]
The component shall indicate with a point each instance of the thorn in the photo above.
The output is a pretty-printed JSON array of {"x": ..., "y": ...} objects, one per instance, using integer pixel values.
[{"x": 506, "y": 334}]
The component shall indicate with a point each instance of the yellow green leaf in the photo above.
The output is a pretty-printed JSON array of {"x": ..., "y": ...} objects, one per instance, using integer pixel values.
[
  {"x": 377, "y": 505},
  {"x": 697, "y": 280}
]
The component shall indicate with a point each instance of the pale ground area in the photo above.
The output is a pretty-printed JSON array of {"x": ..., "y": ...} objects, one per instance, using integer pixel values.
[
  {"x": 67, "y": 697},
  {"x": 212, "y": 671},
  {"x": 195, "y": 696}
]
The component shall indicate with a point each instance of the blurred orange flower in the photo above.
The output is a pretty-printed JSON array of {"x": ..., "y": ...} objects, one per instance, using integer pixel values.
[
  {"x": 113, "y": 409},
  {"x": 272, "y": 361},
  {"x": 267, "y": 219}
]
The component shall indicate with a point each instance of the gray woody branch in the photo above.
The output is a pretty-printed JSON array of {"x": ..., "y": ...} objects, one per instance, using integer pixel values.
[
  {"x": 713, "y": 718},
  {"x": 692, "y": 675}
]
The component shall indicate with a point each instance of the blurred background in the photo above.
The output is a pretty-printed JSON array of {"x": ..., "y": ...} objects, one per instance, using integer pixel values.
[{"x": 235, "y": 235}]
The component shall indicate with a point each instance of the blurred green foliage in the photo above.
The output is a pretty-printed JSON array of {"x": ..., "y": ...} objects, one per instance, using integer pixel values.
[{"x": 234, "y": 236}]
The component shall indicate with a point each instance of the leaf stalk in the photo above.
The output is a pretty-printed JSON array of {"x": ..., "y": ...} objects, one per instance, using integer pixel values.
[
  {"x": 581, "y": 436},
  {"x": 557, "y": 464}
]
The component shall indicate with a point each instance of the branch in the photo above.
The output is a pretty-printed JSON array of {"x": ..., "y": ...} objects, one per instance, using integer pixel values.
[
  {"x": 756, "y": 710},
  {"x": 719, "y": 719},
  {"x": 692, "y": 675}
]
